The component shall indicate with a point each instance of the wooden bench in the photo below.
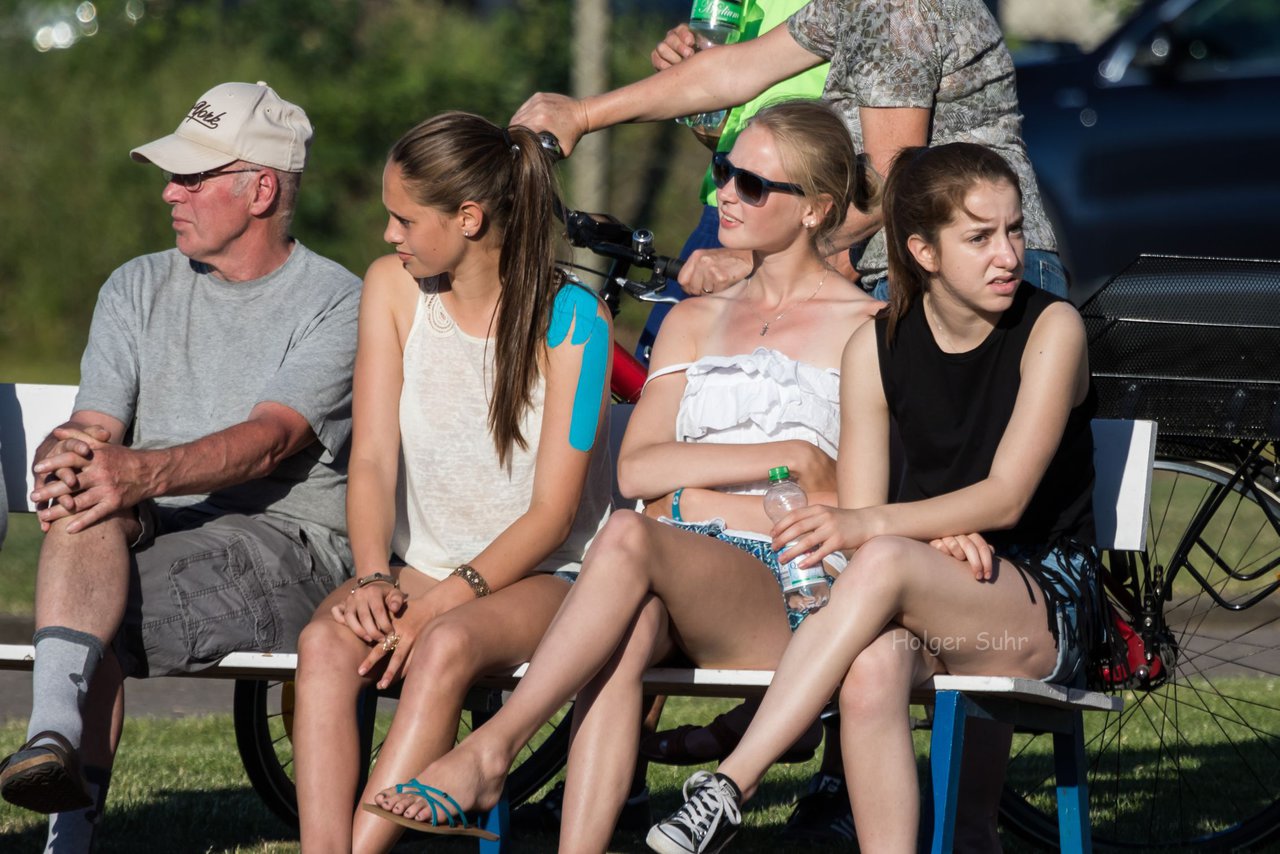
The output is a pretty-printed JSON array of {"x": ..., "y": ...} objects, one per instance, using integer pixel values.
[{"x": 1124, "y": 451}]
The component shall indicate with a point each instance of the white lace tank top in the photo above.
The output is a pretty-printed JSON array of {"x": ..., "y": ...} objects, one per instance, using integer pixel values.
[
  {"x": 762, "y": 396},
  {"x": 453, "y": 497}
]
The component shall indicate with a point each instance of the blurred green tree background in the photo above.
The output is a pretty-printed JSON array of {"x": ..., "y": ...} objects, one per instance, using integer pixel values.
[{"x": 73, "y": 206}]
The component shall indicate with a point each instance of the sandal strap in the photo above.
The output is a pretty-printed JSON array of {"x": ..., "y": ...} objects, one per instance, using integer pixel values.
[
  {"x": 54, "y": 742},
  {"x": 433, "y": 797}
]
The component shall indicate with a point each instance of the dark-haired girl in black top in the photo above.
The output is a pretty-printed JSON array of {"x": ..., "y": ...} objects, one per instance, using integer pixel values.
[{"x": 984, "y": 565}]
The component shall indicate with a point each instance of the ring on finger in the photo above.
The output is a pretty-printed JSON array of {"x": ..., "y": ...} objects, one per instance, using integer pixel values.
[
  {"x": 390, "y": 642},
  {"x": 706, "y": 290}
]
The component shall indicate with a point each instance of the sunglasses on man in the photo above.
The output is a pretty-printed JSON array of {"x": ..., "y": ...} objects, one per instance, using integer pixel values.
[{"x": 194, "y": 182}]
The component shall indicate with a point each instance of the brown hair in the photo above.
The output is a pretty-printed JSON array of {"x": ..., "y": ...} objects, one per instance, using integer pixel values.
[
  {"x": 817, "y": 153},
  {"x": 925, "y": 188},
  {"x": 456, "y": 157}
]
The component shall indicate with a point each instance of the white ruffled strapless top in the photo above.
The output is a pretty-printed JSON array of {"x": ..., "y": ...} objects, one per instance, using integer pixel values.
[{"x": 762, "y": 396}]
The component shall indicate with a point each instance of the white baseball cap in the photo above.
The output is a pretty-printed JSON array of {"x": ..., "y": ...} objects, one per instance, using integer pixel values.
[{"x": 230, "y": 122}]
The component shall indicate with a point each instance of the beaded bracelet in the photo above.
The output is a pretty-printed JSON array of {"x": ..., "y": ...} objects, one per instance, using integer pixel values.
[
  {"x": 675, "y": 504},
  {"x": 479, "y": 586}
]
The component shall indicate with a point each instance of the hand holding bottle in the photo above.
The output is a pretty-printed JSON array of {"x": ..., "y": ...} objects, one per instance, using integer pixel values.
[{"x": 805, "y": 588}]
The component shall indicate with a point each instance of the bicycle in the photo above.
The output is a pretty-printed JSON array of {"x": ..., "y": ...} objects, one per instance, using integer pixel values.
[
  {"x": 1193, "y": 761},
  {"x": 263, "y": 711}
]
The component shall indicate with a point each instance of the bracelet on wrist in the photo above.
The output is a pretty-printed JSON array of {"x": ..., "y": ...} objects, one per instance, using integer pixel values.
[
  {"x": 375, "y": 578},
  {"x": 478, "y": 585},
  {"x": 675, "y": 504}
]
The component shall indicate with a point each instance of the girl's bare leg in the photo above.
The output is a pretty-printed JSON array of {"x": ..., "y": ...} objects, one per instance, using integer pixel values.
[
  {"x": 632, "y": 558},
  {"x": 934, "y": 596},
  {"x": 325, "y": 734},
  {"x": 606, "y": 728},
  {"x": 479, "y": 637},
  {"x": 875, "y": 733}
]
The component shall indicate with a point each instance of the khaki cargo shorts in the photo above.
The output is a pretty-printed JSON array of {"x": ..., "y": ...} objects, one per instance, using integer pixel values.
[{"x": 204, "y": 586}]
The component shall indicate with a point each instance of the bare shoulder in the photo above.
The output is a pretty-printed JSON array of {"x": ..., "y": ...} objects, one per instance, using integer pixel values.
[
  {"x": 860, "y": 350},
  {"x": 852, "y": 305},
  {"x": 1060, "y": 323},
  {"x": 386, "y": 272},
  {"x": 388, "y": 285},
  {"x": 687, "y": 328},
  {"x": 698, "y": 315}
]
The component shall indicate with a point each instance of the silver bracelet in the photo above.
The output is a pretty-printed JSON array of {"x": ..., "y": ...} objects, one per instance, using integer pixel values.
[{"x": 374, "y": 578}]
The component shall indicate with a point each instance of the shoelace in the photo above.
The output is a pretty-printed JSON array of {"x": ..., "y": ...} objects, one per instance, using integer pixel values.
[{"x": 701, "y": 813}]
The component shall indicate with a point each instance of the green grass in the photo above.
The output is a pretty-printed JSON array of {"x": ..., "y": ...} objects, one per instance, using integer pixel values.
[
  {"x": 18, "y": 565},
  {"x": 180, "y": 787}
]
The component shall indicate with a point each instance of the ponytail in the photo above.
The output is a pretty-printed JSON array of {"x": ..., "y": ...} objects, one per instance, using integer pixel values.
[
  {"x": 526, "y": 267},
  {"x": 457, "y": 157}
]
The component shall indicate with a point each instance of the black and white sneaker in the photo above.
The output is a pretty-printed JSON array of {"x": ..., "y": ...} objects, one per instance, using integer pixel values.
[{"x": 707, "y": 821}]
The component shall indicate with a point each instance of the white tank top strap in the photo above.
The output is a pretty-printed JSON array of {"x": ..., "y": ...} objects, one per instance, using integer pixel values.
[{"x": 662, "y": 372}]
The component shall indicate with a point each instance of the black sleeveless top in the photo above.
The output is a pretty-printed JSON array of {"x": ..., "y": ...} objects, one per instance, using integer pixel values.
[{"x": 952, "y": 410}]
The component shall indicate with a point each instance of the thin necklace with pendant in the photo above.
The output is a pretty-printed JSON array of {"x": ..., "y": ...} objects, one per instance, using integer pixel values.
[{"x": 765, "y": 324}]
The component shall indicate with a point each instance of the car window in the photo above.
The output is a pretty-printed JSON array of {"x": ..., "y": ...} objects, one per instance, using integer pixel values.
[{"x": 1236, "y": 35}]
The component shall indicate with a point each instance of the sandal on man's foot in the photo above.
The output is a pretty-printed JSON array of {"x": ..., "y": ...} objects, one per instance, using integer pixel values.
[
  {"x": 457, "y": 822},
  {"x": 44, "y": 775},
  {"x": 671, "y": 747}
]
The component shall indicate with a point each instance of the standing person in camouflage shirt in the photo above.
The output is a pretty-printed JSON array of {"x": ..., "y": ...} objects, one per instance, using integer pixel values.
[{"x": 903, "y": 73}]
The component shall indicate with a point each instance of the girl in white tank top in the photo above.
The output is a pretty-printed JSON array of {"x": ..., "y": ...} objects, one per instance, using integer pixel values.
[{"x": 478, "y": 476}]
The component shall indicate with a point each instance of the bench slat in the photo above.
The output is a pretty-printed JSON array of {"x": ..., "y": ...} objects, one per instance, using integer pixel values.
[{"x": 680, "y": 681}]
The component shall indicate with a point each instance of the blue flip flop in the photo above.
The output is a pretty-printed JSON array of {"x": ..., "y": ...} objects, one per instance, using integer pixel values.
[{"x": 456, "y": 822}]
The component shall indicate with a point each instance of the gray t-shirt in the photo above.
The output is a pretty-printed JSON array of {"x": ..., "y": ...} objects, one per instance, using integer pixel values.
[
  {"x": 177, "y": 354},
  {"x": 945, "y": 55}
]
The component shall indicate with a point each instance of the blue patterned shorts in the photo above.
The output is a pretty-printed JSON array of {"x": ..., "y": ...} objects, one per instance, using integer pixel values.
[{"x": 760, "y": 549}]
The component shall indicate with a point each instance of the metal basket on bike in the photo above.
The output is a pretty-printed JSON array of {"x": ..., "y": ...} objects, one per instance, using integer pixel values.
[{"x": 1193, "y": 761}]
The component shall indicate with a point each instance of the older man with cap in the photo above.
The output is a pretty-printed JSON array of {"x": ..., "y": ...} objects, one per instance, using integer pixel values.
[{"x": 194, "y": 503}]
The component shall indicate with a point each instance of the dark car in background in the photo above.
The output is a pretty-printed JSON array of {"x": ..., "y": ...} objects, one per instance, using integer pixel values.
[{"x": 1164, "y": 139}]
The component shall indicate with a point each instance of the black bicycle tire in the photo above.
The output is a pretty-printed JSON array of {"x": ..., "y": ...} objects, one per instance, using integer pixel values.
[
  {"x": 261, "y": 753},
  {"x": 1259, "y": 828}
]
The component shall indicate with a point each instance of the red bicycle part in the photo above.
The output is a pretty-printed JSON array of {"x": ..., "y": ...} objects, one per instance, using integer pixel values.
[{"x": 628, "y": 375}]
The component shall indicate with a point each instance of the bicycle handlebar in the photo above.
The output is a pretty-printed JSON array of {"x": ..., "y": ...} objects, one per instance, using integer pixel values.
[{"x": 608, "y": 237}]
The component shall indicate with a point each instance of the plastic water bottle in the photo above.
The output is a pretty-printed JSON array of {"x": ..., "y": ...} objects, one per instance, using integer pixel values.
[
  {"x": 713, "y": 22},
  {"x": 804, "y": 588}
]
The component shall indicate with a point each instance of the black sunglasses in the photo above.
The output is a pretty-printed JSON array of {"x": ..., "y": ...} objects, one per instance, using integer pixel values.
[{"x": 752, "y": 189}]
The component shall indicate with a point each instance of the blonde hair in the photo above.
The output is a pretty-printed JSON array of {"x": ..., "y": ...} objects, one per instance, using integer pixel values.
[{"x": 817, "y": 153}]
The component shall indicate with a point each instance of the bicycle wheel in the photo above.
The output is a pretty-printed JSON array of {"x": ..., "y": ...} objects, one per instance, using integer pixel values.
[
  {"x": 1193, "y": 760},
  {"x": 263, "y": 716}
]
